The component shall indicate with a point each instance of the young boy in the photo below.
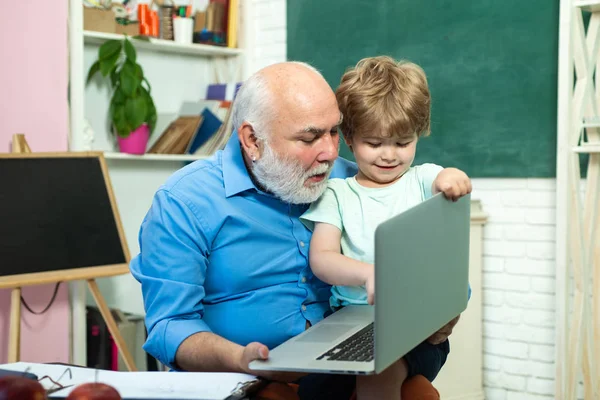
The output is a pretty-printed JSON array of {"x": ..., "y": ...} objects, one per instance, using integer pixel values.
[{"x": 386, "y": 109}]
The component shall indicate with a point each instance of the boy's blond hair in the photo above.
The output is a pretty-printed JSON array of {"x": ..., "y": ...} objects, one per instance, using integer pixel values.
[{"x": 384, "y": 96}]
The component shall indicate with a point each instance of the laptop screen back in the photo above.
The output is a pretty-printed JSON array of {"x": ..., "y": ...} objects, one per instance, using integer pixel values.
[{"x": 421, "y": 278}]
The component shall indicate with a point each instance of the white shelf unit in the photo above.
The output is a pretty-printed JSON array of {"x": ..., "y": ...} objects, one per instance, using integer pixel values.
[
  {"x": 167, "y": 46},
  {"x": 177, "y": 73},
  {"x": 152, "y": 157},
  {"x": 588, "y": 5},
  {"x": 590, "y": 124},
  {"x": 591, "y": 148},
  {"x": 577, "y": 348}
]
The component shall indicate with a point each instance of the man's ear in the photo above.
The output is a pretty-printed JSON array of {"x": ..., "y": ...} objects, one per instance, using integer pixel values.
[{"x": 251, "y": 146}]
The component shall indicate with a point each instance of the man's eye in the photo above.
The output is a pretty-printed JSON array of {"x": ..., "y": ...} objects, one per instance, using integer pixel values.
[
  {"x": 333, "y": 132},
  {"x": 307, "y": 141}
]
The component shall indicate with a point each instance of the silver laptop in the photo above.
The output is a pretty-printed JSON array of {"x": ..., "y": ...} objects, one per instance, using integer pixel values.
[{"x": 421, "y": 283}]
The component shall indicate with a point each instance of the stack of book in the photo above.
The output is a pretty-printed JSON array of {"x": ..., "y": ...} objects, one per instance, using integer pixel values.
[
  {"x": 202, "y": 127},
  {"x": 218, "y": 24}
]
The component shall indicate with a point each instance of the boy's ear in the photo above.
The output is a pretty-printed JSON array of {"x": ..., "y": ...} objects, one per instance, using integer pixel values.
[{"x": 348, "y": 141}]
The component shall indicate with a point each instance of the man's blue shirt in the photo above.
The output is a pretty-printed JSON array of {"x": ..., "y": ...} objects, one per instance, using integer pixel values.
[{"x": 219, "y": 255}]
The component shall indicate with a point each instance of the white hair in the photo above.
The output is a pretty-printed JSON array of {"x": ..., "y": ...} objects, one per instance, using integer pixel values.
[{"x": 254, "y": 103}]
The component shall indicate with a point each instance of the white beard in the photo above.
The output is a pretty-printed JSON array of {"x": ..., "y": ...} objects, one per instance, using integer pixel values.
[{"x": 286, "y": 178}]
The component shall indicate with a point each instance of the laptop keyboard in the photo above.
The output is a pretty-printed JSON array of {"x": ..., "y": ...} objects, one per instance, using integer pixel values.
[{"x": 358, "y": 347}]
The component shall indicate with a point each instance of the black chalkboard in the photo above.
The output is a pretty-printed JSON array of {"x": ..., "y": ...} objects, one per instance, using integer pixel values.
[
  {"x": 491, "y": 66},
  {"x": 58, "y": 215}
]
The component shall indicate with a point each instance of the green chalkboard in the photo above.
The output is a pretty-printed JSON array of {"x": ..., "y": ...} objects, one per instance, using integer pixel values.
[{"x": 491, "y": 66}]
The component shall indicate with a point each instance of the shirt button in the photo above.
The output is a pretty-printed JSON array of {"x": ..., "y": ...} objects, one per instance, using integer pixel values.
[
  {"x": 301, "y": 244},
  {"x": 303, "y": 279},
  {"x": 303, "y": 307}
]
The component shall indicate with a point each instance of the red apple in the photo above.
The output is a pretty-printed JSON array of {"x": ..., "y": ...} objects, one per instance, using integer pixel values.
[
  {"x": 94, "y": 391},
  {"x": 21, "y": 388}
]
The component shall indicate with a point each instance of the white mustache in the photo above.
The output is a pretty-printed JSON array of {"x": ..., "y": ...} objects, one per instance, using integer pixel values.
[
  {"x": 287, "y": 178},
  {"x": 319, "y": 169}
]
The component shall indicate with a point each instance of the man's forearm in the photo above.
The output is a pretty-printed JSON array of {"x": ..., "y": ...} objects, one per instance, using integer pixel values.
[{"x": 207, "y": 352}]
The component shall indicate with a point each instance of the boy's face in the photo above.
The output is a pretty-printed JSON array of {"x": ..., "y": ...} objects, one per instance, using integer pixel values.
[{"x": 382, "y": 160}]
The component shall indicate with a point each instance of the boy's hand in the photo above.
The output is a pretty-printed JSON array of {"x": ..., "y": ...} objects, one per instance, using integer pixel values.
[
  {"x": 453, "y": 183},
  {"x": 445, "y": 331},
  {"x": 370, "y": 286}
]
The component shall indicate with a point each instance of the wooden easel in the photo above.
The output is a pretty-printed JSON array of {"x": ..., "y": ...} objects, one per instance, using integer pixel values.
[{"x": 20, "y": 146}]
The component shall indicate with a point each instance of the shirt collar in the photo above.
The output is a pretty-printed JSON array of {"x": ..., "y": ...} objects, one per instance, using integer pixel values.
[{"x": 235, "y": 174}]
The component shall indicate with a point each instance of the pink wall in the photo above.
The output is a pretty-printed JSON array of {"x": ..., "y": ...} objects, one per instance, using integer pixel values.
[{"x": 33, "y": 101}]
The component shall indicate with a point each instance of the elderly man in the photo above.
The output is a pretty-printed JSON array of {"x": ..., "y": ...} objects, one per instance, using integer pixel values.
[{"x": 224, "y": 258}]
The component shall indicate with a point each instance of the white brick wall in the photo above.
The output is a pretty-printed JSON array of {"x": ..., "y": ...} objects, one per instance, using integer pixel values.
[
  {"x": 270, "y": 33},
  {"x": 518, "y": 265},
  {"x": 518, "y": 283}
]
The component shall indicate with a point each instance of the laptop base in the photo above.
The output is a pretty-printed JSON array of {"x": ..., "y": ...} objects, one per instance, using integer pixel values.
[{"x": 318, "y": 340}]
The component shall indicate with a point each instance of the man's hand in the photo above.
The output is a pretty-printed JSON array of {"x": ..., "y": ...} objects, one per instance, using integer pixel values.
[
  {"x": 453, "y": 183},
  {"x": 441, "y": 335},
  {"x": 257, "y": 351}
]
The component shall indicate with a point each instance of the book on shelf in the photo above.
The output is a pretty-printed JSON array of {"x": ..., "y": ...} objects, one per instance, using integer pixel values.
[
  {"x": 178, "y": 136},
  {"x": 202, "y": 127},
  {"x": 214, "y": 113},
  {"x": 218, "y": 24},
  {"x": 210, "y": 125},
  {"x": 232, "y": 23},
  {"x": 219, "y": 139},
  {"x": 222, "y": 91}
]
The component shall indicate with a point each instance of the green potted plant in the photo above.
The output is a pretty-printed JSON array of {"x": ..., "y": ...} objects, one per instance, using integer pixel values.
[{"x": 132, "y": 111}]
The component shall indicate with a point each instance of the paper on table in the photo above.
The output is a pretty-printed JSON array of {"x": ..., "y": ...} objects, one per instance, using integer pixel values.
[
  {"x": 149, "y": 385},
  {"x": 62, "y": 374}
]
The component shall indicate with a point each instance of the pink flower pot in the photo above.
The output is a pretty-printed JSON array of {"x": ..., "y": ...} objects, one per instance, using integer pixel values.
[{"x": 136, "y": 142}]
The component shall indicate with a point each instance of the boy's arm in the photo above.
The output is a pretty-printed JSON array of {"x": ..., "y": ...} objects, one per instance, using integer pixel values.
[
  {"x": 330, "y": 265},
  {"x": 453, "y": 182}
]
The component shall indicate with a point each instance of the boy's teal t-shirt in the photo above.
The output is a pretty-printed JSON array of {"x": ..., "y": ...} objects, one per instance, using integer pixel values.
[{"x": 357, "y": 211}]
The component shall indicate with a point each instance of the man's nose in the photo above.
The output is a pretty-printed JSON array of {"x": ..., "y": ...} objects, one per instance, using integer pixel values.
[{"x": 328, "y": 148}]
